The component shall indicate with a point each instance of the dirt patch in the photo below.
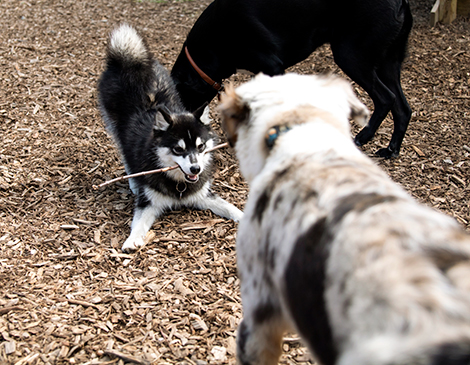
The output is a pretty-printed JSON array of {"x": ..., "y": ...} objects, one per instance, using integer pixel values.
[{"x": 68, "y": 295}]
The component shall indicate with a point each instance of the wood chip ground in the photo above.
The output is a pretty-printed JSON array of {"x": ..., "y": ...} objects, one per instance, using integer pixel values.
[{"x": 68, "y": 295}]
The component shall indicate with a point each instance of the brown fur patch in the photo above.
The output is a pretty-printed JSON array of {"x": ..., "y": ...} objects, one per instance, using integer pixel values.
[{"x": 233, "y": 112}]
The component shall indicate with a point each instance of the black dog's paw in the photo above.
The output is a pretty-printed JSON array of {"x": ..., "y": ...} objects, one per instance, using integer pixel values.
[
  {"x": 363, "y": 137},
  {"x": 357, "y": 142},
  {"x": 387, "y": 153}
]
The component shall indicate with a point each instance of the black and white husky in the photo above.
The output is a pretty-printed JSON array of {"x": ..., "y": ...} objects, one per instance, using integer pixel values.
[{"x": 152, "y": 129}]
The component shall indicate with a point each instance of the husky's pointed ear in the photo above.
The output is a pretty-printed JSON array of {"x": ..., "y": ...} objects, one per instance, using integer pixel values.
[
  {"x": 202, "y": 114},
  {"x": 163, "y": 119},
  {"x": 234, "y": 112},
  {"x": 151, "y": 99}
]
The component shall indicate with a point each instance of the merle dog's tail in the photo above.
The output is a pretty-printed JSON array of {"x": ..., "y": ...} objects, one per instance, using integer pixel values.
[{"x": 408, "y": 351}]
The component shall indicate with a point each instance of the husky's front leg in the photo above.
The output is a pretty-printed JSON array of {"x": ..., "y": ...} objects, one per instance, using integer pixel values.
[
  {"x": 220, "y": 207},
  {"x": 145, "y": 214}
]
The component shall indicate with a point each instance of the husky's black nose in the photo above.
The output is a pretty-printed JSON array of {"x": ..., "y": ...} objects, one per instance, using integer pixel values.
[{"x": 195, "y": 169}]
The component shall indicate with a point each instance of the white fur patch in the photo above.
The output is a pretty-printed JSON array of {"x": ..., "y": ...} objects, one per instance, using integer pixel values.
[
  {"x": 141, "y": 223},
  {"x": 125, "y": 40},
  {"x": 182, "y": 144},
  {"x": 205, "y": 117},
  {"x": 168, "y": 158},
  {"x": 160, "y": 122}
]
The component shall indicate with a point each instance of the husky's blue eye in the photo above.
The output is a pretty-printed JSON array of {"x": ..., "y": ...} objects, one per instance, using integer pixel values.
[{"x": 178, "y": 150}]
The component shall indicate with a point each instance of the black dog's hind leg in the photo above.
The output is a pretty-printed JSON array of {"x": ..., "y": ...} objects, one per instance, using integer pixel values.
[
  {"x": 389, "y": 72},
  {"x": 401, "y": 111},
  {"x": 356, "y": 63}
]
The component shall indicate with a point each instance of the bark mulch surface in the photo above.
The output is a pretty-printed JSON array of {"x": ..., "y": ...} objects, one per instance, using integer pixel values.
[{"x": 68, "y": 295}]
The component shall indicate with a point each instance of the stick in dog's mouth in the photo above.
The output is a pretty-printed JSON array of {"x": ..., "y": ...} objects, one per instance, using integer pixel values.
[{"x": 96, "y": 187}]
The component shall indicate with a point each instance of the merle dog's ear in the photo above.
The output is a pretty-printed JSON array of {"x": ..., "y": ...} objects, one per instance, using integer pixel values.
[
  {"x": 202, "y": 114},
  {"x": 358, "y": 111},
  {"x": 234, "y": 112},
  {"x": 163, "y": 119}
]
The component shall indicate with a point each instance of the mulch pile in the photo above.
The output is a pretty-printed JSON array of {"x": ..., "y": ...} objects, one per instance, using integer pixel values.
[{"x": 68, "y": 295}]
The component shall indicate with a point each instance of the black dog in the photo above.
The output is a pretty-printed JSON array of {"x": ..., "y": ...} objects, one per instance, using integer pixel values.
[{"x": 368, "y": 39}]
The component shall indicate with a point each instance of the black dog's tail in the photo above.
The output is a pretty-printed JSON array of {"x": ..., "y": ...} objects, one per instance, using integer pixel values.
[{"x": 129, "y": 76}]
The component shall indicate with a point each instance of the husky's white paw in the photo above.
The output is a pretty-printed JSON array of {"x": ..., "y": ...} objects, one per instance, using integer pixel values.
[
  {"x": 221, "y": 207},
  {"x": 132, "y": 244}
]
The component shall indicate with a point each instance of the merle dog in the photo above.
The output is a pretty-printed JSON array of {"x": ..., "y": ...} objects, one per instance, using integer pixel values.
[
  {"x": 368, "y": 39},
  {"x": 330, "y": 246}
]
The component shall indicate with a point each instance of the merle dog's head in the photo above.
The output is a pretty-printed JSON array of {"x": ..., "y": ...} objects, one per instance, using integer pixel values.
[
  {"x": 182, "y": 139},
  {"x": 254, "y": 109}
]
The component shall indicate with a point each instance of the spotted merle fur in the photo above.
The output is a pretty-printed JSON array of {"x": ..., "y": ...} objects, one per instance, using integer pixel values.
[
  {"x": 307, "y": 304},
  {"x": 242, "y": 337},
  {"x": 357, "y": 202},
  {"x": 265, "y": 312},
  {"x": 265, "y": 197}
]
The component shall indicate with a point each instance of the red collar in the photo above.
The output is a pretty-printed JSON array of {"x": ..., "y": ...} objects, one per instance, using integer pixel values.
[{"x": 216, "y": 85}]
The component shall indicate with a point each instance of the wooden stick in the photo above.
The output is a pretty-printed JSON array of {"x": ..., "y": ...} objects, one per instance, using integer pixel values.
[
  {"x": 96, "y": 187},
  {"x": 82, "y": 303},
  {"x": 125, "y": 357},
  {"x": 5, "y": 310}
]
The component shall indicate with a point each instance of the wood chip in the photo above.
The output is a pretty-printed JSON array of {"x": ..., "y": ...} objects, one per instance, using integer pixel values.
[
  {"x": 61, "y": 241},
  {"x": 418, "y": 151},
  {"x": 69, "y": 226},
  {"x": 82, "y": 303},
  {"x": 10, "y": 347},
  {"x": 198, "y": 323},
  {"x": 179, "y": 285},
  {"x": 458, "y": 180},
  {"x": 200, "y": 225}
]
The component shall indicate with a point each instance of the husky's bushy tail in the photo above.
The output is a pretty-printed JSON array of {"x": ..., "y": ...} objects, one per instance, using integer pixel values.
[
  {"x": 129, "y": 75},
  {"x": 133, "y": 79},
  {"x": 127, "y": 48}
]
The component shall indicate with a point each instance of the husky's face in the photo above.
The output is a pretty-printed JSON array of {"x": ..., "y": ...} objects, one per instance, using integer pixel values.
[{"x": 183, "y": 140}]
